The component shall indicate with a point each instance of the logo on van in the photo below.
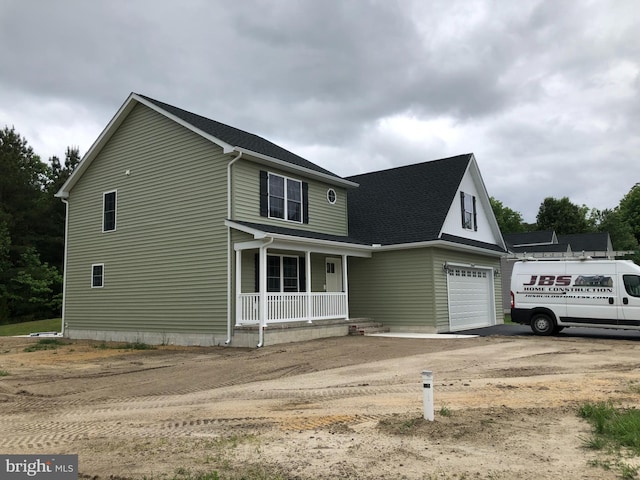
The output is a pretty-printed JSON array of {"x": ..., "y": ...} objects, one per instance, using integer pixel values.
[{"x": 565, "y": 281}]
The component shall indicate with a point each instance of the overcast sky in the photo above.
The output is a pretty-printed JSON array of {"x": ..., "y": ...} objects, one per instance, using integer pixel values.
[{"x": 546, "y": 94}]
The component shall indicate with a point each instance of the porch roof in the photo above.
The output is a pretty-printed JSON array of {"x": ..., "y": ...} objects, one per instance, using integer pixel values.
[{"x": 307, "y": 235}]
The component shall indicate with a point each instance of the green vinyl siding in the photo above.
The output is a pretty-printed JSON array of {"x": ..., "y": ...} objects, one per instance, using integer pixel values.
[
  {"x": 408, "y": 287},
  {"x": 440, "y": 256},
  {"x": 165, "y": 264},
  {"x": 392, "y": 287},
  {"x": 323, "y": 216}
]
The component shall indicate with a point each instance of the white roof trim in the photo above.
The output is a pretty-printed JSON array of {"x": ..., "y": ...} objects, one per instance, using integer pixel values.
[
  {"x": 443, "y": 244},
  {"x": 259, "y": 235},
  {"x": 296, "y": 168},
  {"x": 124, "y": 111}
]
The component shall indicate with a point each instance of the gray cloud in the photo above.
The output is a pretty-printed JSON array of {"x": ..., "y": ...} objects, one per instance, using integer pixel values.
[{"x": 544, "y": 92}]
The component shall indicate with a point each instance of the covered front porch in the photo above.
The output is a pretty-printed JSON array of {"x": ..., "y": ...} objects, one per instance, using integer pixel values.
[{"x": 280, "y": 279}]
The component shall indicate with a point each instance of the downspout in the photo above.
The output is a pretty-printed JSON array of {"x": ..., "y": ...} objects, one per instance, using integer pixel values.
[
  {"x": 263, "y": 294},
  {"x": 64, "y": 262},
  {"x": 229, "y": 283}
]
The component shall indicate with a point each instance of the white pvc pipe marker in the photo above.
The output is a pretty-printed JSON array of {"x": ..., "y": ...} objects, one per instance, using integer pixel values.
[{"x": 427, "y": 388}]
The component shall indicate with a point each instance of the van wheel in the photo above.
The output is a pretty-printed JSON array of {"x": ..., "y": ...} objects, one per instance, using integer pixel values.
[{"x": 542, "y": 324}]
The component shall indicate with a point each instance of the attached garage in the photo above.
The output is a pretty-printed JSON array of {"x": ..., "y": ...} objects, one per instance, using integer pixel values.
[{"x": 470, "y": 296}]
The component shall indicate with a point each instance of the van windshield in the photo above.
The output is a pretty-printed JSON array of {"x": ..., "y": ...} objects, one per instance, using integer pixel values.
[{"x": 632, "y": 285}]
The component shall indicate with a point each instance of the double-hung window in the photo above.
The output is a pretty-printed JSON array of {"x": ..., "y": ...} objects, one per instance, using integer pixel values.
[
  {"x": 97, "y": 275},
  {"x": 285, "y": 198},
  {"x": 109, "y": 211},
  {"x": 469, "y": 215},
  {"x": 283, "y": 274}
]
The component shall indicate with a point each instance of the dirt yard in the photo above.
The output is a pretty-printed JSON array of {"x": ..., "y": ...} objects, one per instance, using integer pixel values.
[{"x": 344, "y": 408}]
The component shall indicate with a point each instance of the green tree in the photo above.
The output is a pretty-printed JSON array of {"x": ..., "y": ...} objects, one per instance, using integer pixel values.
[
  {"x": 31, "y": 230},
  {"x": 509, "y": 220},
  {"x": 629, "y": 210},
  {"x": 5, "y": 272},
  {"x": 36, "y": 290},
  {"x": 562, "y": 216},
  {"x": 610, "y": 221},
  {"x": 22, "y": 190}
]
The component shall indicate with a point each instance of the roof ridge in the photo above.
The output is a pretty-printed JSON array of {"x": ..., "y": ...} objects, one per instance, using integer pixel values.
[{"x": 412, "y": 165}]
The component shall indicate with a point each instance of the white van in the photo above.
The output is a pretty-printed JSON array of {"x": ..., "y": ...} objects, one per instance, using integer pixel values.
[{"x": 551, "y": 295}]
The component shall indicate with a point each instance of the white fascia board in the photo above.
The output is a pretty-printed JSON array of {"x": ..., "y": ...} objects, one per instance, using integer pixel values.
[
  {"x": 297, "y": 169},
  {"x": 226, "y": 148},
  {"x": 441, "y": 244},
  {"x": 302, "y": 243},
  {"x": 106, "y": 134},
  {"x": 122, "y": 113},
  {"x": 474, "y": 171}
]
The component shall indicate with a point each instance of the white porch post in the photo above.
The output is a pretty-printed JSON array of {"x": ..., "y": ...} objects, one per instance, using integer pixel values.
[
  {"x": 345, "y": 285},
  {"x": 238, "y": 286},
  {"x": 307, "y": 272},
  {"x": 263, "y": 287}
]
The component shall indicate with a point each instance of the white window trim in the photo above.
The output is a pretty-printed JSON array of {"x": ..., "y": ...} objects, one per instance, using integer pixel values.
[
  {"x": 282, "y": 257},
  {"x": 335, "y": 196},
  {"x": 115, "y": 216},
  {"x": 286, "y": 213},
  {"x": 464, "y": 212},
  {"x": 92, "y": 267}
]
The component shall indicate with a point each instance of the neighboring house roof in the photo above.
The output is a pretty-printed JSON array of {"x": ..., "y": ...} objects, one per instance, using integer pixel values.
[
  {"x": 588, "y": 242},
  {"x": 553, "y": 248},
  {"x": 542, "y": 237},
  {"x": 405, "y": 204}
]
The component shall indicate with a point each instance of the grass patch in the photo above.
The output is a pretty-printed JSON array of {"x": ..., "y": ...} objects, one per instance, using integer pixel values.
[
  {"x": 445, "y": 411},
  {"x": 616, "y": 431},
  {"x": 4, "y": 373},
  {"x": 46, "y": 344},
  {"x": 398, "y": 425},
  {"x": 25, "y": 328}
]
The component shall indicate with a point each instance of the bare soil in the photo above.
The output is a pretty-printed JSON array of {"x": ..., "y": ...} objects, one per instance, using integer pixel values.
[{"x": 343, "y": 408}]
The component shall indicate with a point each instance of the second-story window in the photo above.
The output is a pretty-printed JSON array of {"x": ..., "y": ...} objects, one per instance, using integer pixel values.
[
  {"x": 109, "y": 211},
  {"x": 285, "y": 198},
  {"x": 468, "y": 210}
]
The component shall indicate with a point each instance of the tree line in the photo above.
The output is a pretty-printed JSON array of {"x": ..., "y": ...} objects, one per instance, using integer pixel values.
[
  {"x": 31, "y": 229},
  {"x": 32, "y": 223},
  {"x": 564, "y": 217}
]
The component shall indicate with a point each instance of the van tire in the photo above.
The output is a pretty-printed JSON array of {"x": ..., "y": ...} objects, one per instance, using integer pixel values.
[{"x": 542, "y": 324}]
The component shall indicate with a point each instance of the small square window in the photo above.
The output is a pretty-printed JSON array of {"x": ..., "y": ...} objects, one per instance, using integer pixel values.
[{"x": 97, "y": 275}]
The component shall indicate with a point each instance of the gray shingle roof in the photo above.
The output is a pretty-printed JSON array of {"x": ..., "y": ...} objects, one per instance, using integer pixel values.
[
  {"x": 404, "y": 204},
  {"x": 588, "y": 242},
  {"x": 239, "y": 138},
  {"x": 408, "y": 204},
  {"x": 529, "y": 238},
  {"x": 294, "y": 232}
]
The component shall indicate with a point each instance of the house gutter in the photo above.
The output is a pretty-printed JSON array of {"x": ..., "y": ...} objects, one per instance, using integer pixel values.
[
  {"x": 229, "y": 286},
  {"x": 64, "y": 273}
]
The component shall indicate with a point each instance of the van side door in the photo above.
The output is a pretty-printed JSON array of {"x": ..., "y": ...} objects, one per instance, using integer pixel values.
[
  {"x": 592, "y": 299},
  {"x": 630, "y": 298}
]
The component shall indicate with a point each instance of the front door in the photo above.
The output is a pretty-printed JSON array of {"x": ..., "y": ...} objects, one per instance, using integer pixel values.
[{"x": 334, "y": 275}]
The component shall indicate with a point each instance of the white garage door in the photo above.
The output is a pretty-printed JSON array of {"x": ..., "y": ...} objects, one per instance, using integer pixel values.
[{"x": 471, "y": 302}]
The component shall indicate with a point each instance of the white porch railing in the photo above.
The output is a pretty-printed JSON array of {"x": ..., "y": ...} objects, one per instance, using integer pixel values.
[{"x": 291, "y": 307}]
